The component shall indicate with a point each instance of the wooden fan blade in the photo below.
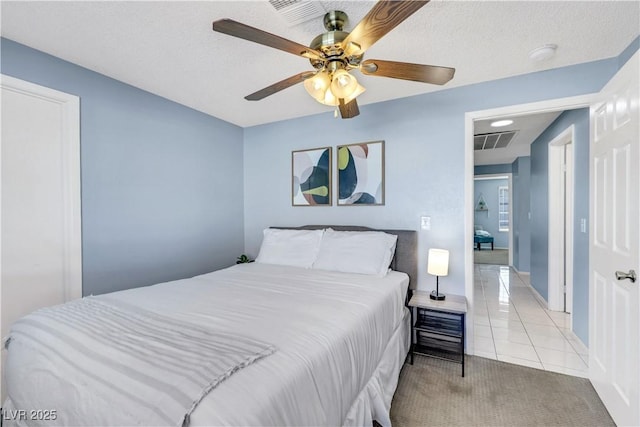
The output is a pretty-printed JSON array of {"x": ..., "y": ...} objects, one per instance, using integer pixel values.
[
  {"x": 381, "y": 19},
  {"x": 406, "y": 71},
  {"x": 348, "y": 110},
  {"x": 236, "y": 29},
  {"x": 281, "y": 85}
]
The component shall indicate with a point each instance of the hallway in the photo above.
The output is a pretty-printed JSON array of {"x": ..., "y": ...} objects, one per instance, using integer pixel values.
[{"x": 512, "y": 325}]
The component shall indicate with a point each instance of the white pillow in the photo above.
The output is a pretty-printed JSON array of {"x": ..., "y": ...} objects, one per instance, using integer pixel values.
[
  {"x": 364, "y": 252},
  {"x": 297, "y": 248}
]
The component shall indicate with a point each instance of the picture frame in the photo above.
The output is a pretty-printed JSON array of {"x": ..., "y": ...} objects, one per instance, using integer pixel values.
[
  {"x": 311, "y": 176},
  {"x": 361, "y": 174}
]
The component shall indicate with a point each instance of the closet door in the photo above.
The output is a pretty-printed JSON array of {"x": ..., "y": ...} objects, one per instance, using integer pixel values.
[{"x": 40, "y": 199}]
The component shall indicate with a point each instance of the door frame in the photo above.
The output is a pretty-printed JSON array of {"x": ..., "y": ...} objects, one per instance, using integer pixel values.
[
  {"x": 560, "y": 271},
  {"x": 509, "y": 177},
  {"x": 70, "y": 129},
  {"x": 557, "y": 104}
]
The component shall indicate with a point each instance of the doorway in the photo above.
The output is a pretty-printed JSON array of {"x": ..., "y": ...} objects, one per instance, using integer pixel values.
[
  {"x": 493, "y": 233},
  {"x": 470, "y": 117},
  {"x": 511, "y": 303}
]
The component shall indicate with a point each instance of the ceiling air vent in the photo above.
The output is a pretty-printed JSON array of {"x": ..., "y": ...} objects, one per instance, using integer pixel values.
[
  {"x": 296, "y": 12},
  {"x": 489, "y": 141}
]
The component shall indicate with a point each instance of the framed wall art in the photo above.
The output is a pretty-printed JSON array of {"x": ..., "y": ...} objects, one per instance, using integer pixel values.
[
  {"x": 361, "y": 174},
  {"x": 311, "y": 177}
]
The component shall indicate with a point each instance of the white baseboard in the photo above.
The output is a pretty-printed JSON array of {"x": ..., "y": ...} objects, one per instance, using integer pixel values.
[
  {"x": 576, "y": 342},
  {"x": 539, "y": 297}
]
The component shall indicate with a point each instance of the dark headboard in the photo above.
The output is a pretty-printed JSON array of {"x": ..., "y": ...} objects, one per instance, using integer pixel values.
[{"x": 406, "y": 257}]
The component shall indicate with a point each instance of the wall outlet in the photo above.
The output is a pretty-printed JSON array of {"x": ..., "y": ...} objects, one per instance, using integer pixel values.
[{"x": 425, "y": 222}]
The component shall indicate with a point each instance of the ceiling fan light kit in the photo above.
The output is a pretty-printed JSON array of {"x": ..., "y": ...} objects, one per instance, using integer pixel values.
[
  {"x": 321, "y": 88},
  {"x": 335, "y": 53}
]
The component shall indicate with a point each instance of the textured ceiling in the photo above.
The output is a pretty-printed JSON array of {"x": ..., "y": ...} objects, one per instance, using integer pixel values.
[{"x": 168, "y": 48}]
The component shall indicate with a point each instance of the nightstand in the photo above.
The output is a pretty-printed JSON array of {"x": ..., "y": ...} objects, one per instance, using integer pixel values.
[{"x": 437, "y": 328}]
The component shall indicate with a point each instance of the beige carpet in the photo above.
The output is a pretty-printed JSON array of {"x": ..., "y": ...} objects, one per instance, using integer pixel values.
[
  {"x": 493, "y": 393},
  {"x": 488, "y": 256}
]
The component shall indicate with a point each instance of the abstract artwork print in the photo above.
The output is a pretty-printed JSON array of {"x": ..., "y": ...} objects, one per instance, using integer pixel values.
[
  {"x": 361, "y": 174},
  {"x": 311, "y": 177}
]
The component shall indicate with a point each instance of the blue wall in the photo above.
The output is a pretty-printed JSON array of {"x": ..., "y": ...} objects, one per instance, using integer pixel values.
[
  {"x": 521, "y": 177},
  {"x": 492, "y": 169},
  {"x": 488, "y": 219},
  {"x": 540, "y": 213},
  {"x": 628, "y": 52},
  {"x": 162, "y": 184},
  {"x": 424, "y": 165},
  {"x": 521, "y": 181}
]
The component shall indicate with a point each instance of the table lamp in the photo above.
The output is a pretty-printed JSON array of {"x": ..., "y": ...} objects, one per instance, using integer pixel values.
[{"x": 438, "y": 265}]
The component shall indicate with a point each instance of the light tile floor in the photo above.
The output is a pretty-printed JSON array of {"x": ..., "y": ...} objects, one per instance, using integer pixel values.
[{"x": 512, "y": 325}]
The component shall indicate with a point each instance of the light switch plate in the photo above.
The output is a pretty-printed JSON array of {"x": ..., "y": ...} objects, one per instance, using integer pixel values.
[{"x": 425, "y": 222}]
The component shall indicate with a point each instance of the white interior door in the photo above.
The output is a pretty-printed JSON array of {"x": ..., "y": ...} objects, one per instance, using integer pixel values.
[
  {"x": 615, "y": 190},
  {"x": 40, "y": 200}
]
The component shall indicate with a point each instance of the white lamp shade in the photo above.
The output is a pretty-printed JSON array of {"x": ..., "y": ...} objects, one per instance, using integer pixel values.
[{"x": 438, "y": 262}]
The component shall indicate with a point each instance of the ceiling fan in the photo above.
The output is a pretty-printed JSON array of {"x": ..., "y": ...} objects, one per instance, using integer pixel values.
[{"x": 334, "y": 53}]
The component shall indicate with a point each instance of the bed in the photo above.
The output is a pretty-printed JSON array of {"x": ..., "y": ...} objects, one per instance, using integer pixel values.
[{"x": 319, "y": 347}]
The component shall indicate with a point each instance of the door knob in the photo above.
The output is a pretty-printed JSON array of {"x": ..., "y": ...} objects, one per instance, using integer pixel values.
[{"x": 631, "y": 275}]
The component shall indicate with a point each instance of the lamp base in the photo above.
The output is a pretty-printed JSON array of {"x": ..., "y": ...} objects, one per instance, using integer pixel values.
[{"x": 436, "y": 296}]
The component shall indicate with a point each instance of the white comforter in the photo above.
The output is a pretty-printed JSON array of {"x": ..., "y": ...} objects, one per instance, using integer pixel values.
[{"x": 330, "y": 330}]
